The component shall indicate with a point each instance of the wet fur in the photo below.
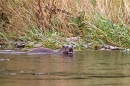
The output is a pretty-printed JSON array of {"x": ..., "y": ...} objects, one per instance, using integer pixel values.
[{"x": 66, "y": 50}]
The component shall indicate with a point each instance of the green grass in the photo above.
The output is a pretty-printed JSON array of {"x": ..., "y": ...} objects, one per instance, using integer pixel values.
[
  {"x": 3, "y": 37},
  {"x": 116, "y": 34}
]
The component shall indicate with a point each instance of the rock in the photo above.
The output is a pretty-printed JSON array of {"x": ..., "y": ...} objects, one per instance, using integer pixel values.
[
  {"x": 87, "y": 45},
  {"x": 39, "y": 44},
  {"x": 73, "y": 40},
  {"x": 109, "y": 47},
  {"x": 2, "y": 45},
  {"x": 19, "y": 44}
]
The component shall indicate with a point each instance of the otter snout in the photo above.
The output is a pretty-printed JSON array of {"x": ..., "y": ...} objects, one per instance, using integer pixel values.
[{"x": 68, "y": 49}]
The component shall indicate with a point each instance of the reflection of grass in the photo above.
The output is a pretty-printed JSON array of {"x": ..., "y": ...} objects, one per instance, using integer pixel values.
[{"x": 51, "y": 21}]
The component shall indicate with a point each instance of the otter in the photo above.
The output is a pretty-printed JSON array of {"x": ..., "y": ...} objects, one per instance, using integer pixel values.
[{"x": 66, "y": 50}]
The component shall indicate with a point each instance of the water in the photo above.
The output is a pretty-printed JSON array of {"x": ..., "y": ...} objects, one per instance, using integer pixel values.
[{"x": 85, "y": 68}]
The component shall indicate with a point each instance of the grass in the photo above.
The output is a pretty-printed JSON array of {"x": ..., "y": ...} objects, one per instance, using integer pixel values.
[
  {"x": 3, "y": 37},
  {"x": 108, "y": 31},
  {"x": 48, "y": 39},
  {"x": 52, "y": 21}
]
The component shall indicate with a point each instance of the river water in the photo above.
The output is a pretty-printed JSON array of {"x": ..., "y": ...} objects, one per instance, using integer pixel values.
[{"x": 85, "y": 68}]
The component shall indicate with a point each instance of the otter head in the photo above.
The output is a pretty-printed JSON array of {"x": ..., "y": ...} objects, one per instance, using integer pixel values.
[{"x": 67, "y": 50}]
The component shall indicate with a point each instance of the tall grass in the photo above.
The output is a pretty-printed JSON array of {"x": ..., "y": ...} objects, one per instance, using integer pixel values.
[{"x": 105, "y": 21}]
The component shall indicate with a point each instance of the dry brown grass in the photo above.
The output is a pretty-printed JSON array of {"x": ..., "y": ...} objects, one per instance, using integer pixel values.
[{"x": 48, "y": 14}]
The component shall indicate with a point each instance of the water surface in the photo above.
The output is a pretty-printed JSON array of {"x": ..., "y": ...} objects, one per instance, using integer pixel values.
[{"x": 85, "y": 68}]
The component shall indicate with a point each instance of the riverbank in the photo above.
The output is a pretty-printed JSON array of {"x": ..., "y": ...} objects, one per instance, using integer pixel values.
[
  {"x": 88, "y": 24},
  {"x": 56, "y": 43}
]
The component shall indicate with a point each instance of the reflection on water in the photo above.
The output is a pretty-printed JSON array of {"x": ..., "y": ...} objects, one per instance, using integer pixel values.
[{"x": 86, "y": 68}]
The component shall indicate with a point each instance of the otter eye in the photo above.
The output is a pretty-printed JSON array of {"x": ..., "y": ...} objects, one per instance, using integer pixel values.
[{"x": 63, "y": 46}]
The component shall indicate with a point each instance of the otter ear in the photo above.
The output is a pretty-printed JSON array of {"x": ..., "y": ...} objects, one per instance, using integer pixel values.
[{"x": 64, "y": 46}]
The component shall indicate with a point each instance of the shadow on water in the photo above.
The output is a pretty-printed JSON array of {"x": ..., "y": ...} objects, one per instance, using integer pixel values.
[{"x": 86, "y": 68}]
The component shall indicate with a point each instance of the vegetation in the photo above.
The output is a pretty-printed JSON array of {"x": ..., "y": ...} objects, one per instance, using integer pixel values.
[{"x": 51, "y": 22}]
